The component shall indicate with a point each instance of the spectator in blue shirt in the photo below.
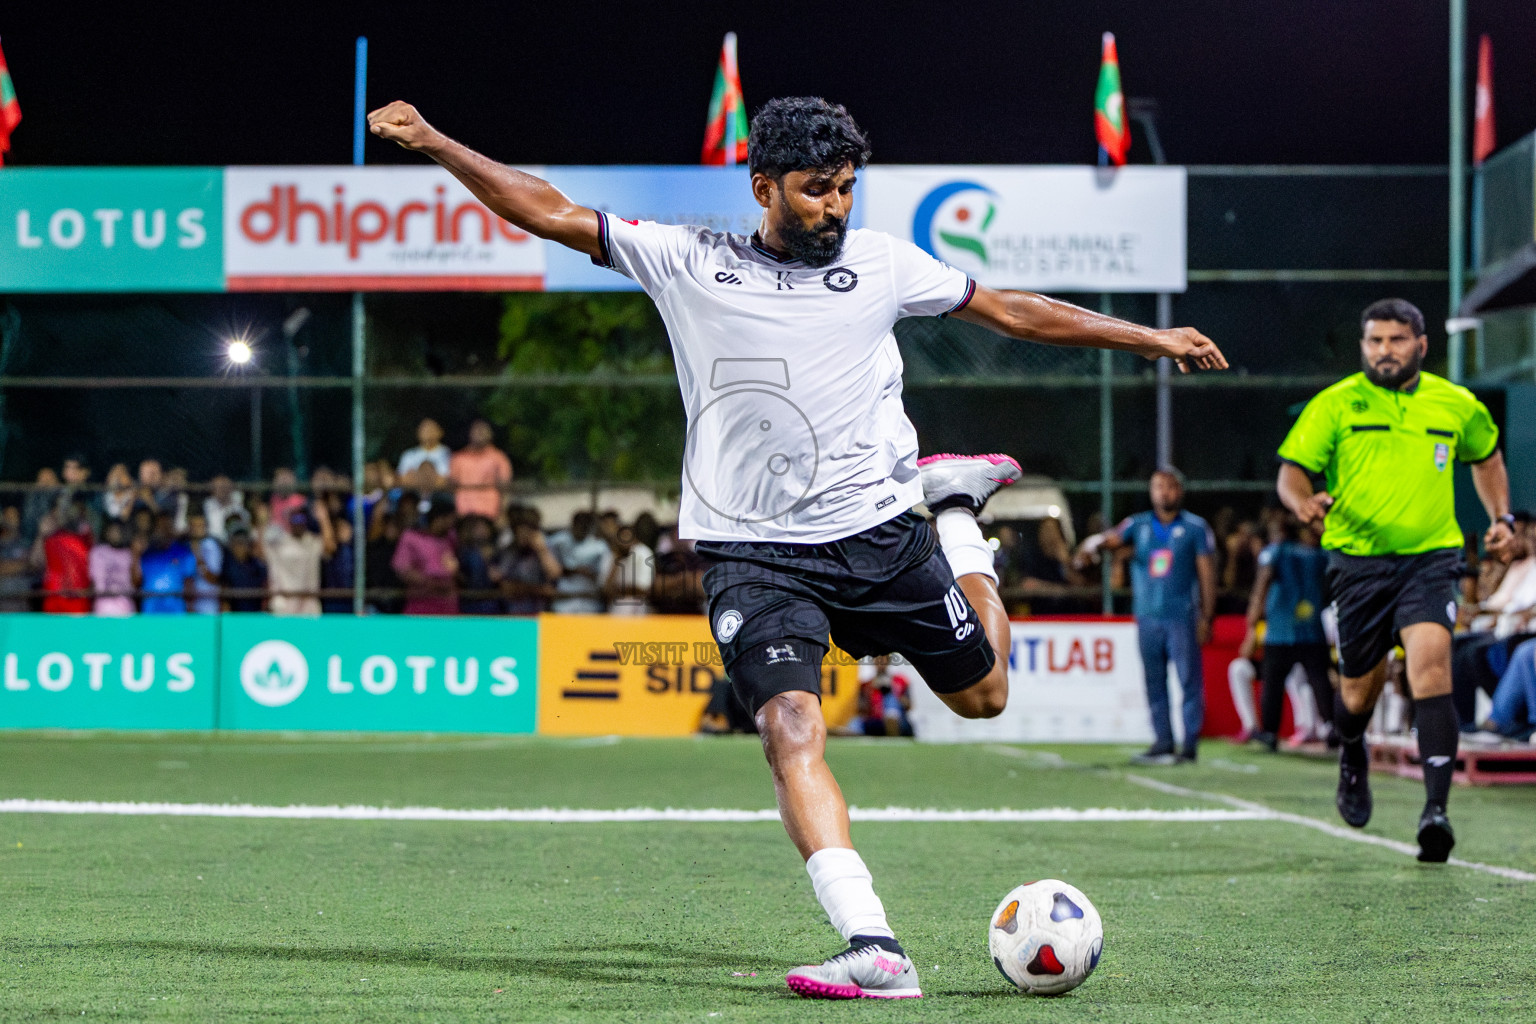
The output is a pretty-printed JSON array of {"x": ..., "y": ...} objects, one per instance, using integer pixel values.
[
  {"x": 1287, "y": 597},
  {"x": 243, "y": 577},
  {"x": 169, "y": 567},
  {"x": 1173, "y": 587}
]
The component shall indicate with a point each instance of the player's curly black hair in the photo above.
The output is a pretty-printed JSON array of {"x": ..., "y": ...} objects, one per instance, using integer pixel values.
[{"x": 801, "y": 133}]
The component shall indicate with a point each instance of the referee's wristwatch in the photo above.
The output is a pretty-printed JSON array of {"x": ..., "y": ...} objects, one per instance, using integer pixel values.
[{"x": 1508, "y": 519}]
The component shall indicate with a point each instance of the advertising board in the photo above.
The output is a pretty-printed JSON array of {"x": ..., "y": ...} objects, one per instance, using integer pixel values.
[
  {"x": 369, "y": 229},
  {"x": 404, "y": 673},
  {"x": 651, "y": 675},
  {"x": 111, "y": 229},
  {"x": 80, "y": 672},
  {"x": 1046, "y": 229},
  {"x": 1067, "y": 682}
]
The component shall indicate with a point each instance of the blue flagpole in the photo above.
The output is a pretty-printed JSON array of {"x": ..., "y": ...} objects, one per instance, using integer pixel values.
[{"x": 359, "y": 362}]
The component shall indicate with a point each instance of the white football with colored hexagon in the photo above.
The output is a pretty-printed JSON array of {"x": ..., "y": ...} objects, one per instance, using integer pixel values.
[{"x": 1045, "y": 937}]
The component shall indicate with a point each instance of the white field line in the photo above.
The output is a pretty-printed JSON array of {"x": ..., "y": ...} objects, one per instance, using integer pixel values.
[
  {"x": 551, "y": 815},
  {"x": 1328, "y": 828}
]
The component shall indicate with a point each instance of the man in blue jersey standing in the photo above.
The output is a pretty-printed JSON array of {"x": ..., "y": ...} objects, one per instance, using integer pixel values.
[{"x": 1173, "y": 587}]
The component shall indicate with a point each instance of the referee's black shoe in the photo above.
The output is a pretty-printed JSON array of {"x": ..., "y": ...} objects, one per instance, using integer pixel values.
[
  {"x": 1354, "y": 796},
  {"x": 1435, "y": 835}
]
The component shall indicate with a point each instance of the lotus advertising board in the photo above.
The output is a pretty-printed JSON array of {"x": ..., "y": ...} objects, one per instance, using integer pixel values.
[
  {"x": 83, "y": 672},
  {"x": 369, "y": 229},
  {"x": 111, "y": 229},
  {"x": 403, "y": 673},
  {"x": 1045, "y": 229}
]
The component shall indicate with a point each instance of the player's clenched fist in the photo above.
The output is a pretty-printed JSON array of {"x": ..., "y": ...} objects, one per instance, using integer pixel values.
[{"x": 400, "y": 122}]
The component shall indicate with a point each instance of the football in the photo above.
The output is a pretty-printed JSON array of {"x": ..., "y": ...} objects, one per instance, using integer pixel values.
[{"x": 1045, "y": 937}]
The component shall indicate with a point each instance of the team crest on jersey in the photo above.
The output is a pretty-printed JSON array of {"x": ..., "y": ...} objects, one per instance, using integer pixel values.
[
  {"x": 1359, "y": 405},
  {"x": 840, "y": 279},
  {"x": 727, "y": 625},
  {"x": 1442, "y": 455}
]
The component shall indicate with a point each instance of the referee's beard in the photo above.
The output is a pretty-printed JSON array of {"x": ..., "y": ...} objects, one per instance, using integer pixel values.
[
  {"x": 1390, "y": 374},
  {"x": 816, "y": 246}
]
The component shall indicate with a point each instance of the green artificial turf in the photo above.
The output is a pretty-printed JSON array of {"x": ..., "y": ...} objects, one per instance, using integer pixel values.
[{"x": 199, "y": 919}]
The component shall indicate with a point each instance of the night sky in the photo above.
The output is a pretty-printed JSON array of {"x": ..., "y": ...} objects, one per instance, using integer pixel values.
[{"x": 1304, "y": 81}]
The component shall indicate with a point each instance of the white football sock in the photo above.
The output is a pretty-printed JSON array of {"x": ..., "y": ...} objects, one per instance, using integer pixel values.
[
  {"x": 847, "y": 893},
  {"x": 1303, "y": 706},
  {"x": 964, "y": 547},
  {"x": 1240, "y": 676}
]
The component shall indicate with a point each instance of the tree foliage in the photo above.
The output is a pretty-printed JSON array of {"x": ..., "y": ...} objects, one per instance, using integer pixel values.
[{"x": 593, "y": 432}]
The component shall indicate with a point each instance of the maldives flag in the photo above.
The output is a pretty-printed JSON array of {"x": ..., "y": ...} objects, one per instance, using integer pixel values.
[
  {"x": 1109, "y": 106},
  {"x": 10, "y": 110},
  {"x": 1482, "y": 124},
  {"x": 725, "y": 134}
]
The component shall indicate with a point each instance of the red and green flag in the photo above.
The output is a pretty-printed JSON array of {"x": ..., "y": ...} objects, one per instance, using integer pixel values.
[
  {"x": 1482, "y": 108},
  {"x": 725, "y": 133},
  {"x": 1109, "y": 106},
  {"x": 10, "y": 109}
]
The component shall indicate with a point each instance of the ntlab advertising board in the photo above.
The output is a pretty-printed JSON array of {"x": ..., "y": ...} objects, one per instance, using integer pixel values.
[
  {"x": 400, "y": 674},
  {"x": 1047, "y": 229},
  {"x": 368, "y": 229},
  {"x": 80, "y": 672},
  {"x": 111, "y": 229},
  {"x": 1067, "y": 682}
]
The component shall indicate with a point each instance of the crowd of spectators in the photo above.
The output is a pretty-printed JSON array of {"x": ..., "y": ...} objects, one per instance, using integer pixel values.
[{"x": 443, "y": 537}]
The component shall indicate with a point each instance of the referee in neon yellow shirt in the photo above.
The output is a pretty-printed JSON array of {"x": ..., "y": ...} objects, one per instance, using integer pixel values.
[{"x": 1384, "y": 441}]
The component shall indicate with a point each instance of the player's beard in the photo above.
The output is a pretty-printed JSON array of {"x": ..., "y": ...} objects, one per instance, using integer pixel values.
[
  {"x": 817, "y": 246},
  {"x": 1395, "y": 378}
]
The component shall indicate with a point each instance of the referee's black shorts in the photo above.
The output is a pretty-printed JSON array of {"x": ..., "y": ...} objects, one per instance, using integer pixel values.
[
  {"x": 887, "y": 590},
  {"x": 1376, "y": 596}
]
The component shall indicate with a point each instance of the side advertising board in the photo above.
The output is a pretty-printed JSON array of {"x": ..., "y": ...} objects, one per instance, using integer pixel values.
[
  {"x": 605, "y": 675},
  {"x": 1067, "y": 682},
  {"x": 400, "y": 674},
  {"x": 111, "y": 229},
  {"x": 1048, "y": 229},
  {"x": 78, "y": 672},
  {"x": 369, "y": 229}
]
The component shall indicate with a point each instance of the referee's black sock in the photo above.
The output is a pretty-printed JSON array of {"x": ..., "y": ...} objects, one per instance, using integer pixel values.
[
  {"x": 1350, "y": 726},
  {"x": 1439, "y": 732}
]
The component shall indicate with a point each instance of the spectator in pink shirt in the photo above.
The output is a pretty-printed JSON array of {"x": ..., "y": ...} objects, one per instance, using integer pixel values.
[
  {"x": 481, "y": 474},
  {"x": 114, "y": 569},
  {"x": 425, "y": 562}
]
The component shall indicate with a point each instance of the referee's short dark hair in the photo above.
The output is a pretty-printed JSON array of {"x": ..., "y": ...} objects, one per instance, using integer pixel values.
[
  {"x": 804, "y": 133},
  {"x": 1401, "y": 310}
]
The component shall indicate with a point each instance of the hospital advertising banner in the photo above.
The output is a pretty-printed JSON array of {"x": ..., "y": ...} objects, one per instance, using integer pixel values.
[
  {"x": 84, "y": 672},
  {"x": 1045, "y": 229},
  {"x": 1067, "y": 682},
  {"x": 406, "y": 673},
  {"x": 111, "y": 229}
]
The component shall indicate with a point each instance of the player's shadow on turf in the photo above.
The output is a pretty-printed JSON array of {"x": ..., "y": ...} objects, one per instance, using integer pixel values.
[{"x": 623, "y": 962}]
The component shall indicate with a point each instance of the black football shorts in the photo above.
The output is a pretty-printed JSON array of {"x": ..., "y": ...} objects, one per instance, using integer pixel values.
[
  {"x": 1376, "y": 596},
  {"x": 887, "y": 590}
]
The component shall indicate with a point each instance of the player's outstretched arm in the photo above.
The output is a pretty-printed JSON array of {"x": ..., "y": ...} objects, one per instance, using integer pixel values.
[
  {"x": 531, "y": 203},
  {"x": 1031, "y": 317}
]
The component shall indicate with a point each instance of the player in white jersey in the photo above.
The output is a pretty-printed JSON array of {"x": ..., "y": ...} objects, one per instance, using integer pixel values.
[{"x": 801, "y": 467}]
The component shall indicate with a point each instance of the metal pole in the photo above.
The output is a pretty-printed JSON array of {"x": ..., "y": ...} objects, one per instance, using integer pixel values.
[
  {"x": 256, "y": 434},
  {"x": 1106, "y": 453},
  {"x": 359, "y": 360},
  {"x": 1455, "y": 351},
  {"x": 1164, "y": 386}
]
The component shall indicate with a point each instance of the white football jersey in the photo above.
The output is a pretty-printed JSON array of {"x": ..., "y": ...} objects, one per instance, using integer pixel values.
[{"x": 790, "y": 376}]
